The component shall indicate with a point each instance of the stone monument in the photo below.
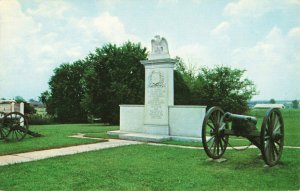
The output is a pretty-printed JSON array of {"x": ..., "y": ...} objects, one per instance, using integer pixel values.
[{"x": 159, "y": 119}]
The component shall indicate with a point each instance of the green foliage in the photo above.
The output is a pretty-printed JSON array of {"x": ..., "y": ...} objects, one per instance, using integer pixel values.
[
  {"x": 182, "y": 94},
  {"x": 97, "y": 85},
  {"x": 225, "y": 87},
  {"x": 114, "y": 76},
  {"x": 28, "y": 109},
  {"x": 66, "y": 93},
  {"x": 183, "y": 81},
  {"x": 47, "y": 100},
  {"x": 220, "y": 86},
  {"x": 19, "y": 99},
  {"x": 38, "y": 119},
  {"x": 272, "y": 101},
  {"x": 295, "y": 104}
]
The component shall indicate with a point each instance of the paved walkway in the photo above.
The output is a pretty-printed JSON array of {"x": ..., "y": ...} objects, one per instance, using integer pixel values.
[
  {"x": 228, "y": 147},
  {"x": 38, "y": 155}
]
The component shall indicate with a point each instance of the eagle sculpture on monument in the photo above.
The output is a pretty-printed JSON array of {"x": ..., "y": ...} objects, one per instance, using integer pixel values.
[{"x": 159, "y": 49}]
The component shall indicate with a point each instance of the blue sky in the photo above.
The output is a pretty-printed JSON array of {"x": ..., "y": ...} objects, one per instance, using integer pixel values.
[{"x": 260, "y": 36}]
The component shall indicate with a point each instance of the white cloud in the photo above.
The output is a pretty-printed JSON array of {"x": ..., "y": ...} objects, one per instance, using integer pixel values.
[
  {"x": 110, "y": 27},
  {"x": 167, "y": 2},
  {"x": 195, "y": 54},
  {"x": 221, "y": 28},
  {"x": 271, "y": 65},
  {"x": 294, "y": 33},
  {"x": 294, "y": 2},
  {"x": 252, "y": 8},
  {"x": 220, "y": 34},
  {"x": 15, "y": 25},
  {"x": 75, "y": 52},
  {"x": 30, "y": 50},
  {"x": 16, "y": 29},
  {"x": 51, "y": 9}
]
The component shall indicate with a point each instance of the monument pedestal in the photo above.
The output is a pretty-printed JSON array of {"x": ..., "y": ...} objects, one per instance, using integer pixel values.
[
  {"x": 159, "y": 95},
  {"x": 159, "y": 119},
  {"x": 185, "y": 124}
]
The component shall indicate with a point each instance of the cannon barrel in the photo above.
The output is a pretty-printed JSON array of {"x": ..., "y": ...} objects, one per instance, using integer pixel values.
[{"x": 229, "y": 117}]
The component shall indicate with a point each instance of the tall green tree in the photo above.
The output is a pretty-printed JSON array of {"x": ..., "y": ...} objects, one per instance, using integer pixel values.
[
  {"x": 67, "y": 91},
  {"x": 114, "y": 76},
  {"x": 225, "y": 87},
  {"x": 272, "y": 101},
  {"x": 183, "y": 79},
  {"x": 46, "y": 99}
]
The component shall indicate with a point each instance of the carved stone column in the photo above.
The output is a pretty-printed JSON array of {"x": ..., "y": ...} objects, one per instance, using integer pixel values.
[{"x": 159, "y": 88}]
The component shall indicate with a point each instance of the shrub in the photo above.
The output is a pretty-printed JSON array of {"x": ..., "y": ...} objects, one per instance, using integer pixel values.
[{"x": 38, "y": 119}]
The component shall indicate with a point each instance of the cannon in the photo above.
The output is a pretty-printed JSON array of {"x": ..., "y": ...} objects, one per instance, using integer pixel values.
[
  {"x": 14, "y": 127},
  {"x": 218, "y": 126}
]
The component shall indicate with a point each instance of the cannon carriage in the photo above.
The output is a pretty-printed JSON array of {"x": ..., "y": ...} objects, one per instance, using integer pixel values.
[
  {"x": 13, "y": 126},
  {"x": 13, "y": 123},
  {"x": 218, "y": 126}
]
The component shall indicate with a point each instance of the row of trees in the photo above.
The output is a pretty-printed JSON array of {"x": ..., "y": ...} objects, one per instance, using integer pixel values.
[{"x": 113, "y": 75}]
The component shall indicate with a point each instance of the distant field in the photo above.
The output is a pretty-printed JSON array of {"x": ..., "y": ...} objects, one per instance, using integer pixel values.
[{"x": 291, "y": 118}]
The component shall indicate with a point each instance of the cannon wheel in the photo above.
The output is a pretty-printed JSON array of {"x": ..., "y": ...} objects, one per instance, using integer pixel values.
[
  {"x": 2, "y": 114},
  {"x": 213, "y": 140},
  {"x": 272, "y": 136},
  {"x": 14, "y": 126}
]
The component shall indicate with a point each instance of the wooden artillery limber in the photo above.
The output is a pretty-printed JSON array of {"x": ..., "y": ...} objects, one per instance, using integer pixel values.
[
  {"x": 14, "y": 127},
  {"x": 218, "y": 126}
]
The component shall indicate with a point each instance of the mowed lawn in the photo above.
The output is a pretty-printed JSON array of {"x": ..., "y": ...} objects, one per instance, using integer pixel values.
[
  {"x": 54, "y": 136},
  {"x": 147, "y": 167}
]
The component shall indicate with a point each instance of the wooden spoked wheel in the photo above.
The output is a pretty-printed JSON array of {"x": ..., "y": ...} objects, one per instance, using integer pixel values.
[
  {"x": 2, "y": 114},
  {"x": 272, "y": 137},
  {"x": 213, "y": 138},
  {"x": 14, "y": 126}
]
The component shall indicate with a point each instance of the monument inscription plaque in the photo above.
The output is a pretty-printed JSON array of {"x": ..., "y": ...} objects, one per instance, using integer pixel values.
[{"x": 157, "y": 98}]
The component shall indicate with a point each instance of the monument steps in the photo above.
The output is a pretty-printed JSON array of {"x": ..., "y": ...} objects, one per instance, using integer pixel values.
[
  {"x": 144, "y": 137},
  {"x": 151, "y": 137}
]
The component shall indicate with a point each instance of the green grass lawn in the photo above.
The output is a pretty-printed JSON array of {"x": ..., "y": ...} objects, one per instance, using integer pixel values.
[
  {"x": 57, "y": 135},
  {"x": 145, "y": 167},
  {"x": 54, "y": 136}
]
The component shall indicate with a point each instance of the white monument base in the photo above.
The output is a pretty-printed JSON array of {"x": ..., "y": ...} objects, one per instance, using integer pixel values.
[
  {"x": 159, "y": 119},
  {"x": 185, "y": 124}
]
